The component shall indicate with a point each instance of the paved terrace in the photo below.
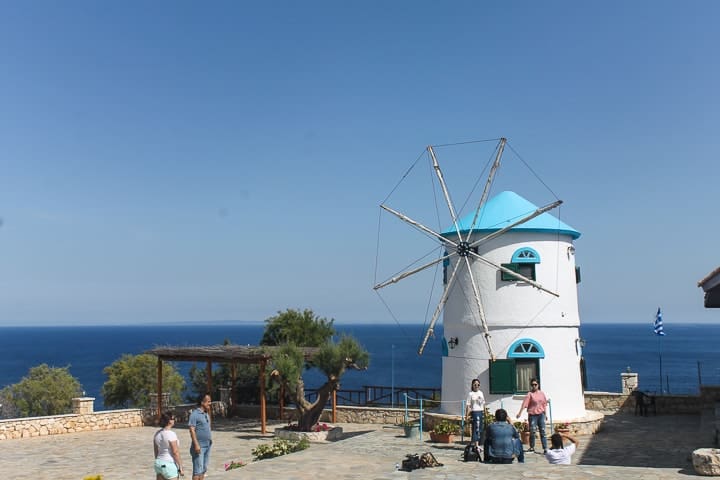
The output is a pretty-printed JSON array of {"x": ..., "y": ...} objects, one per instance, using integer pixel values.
[{"x": 627, "y": 447}]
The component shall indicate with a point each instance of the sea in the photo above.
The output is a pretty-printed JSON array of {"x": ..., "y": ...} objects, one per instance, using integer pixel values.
[{"x": 686, "y": 357}]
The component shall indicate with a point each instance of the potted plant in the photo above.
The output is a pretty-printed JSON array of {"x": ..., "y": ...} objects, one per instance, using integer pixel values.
[
  {"x": 443, "y": 432},
  {"x": 412, "y": 429},
  {"x": 524, "y": 429},
  {"x": 562, "y": 427}
]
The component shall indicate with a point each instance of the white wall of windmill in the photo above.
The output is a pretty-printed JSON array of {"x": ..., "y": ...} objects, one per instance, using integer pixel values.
[
  {"x": 518, "y": 303},
  {"x": 517, "y": 310},
  {"x": 559, "y": 369}
]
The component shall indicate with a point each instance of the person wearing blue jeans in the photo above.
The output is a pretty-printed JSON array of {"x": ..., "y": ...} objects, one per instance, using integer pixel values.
[
  {"x": 536, "y": 403},
  {"x": 475, "y": 409},
  {"x": 201, "y": 436},
  {"x": 502, "y": 441},
  {"x": 537, "y": 423}
]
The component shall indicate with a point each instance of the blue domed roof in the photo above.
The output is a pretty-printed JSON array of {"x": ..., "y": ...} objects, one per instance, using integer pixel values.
[{"x": 507, "y": 208}]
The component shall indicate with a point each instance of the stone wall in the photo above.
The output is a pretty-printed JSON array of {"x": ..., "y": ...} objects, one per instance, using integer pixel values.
[
  {"x": 610, "y": 403},
  {"x": 84, "y": 419},
  {"x": 71, "y": 423},
  {"x": 345, "y": 414}
]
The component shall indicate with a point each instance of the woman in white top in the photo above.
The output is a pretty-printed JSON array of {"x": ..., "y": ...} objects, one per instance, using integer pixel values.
[
  {"x": 168, "y": 465},
  {"x": 558, "y": 454},
  {"x": 475, "y": 410}
]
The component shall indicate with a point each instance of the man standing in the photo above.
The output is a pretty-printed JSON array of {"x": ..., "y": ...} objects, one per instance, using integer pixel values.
[
  {"x": 201, "y": 437},
  {"x": 536, "y": 403}
]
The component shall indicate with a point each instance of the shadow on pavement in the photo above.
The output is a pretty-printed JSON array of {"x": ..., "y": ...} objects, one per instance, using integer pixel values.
[{"x": 654, "y": 441}]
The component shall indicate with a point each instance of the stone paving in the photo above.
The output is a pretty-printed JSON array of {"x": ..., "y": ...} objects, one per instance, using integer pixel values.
[{"x": 627, "y": 447}]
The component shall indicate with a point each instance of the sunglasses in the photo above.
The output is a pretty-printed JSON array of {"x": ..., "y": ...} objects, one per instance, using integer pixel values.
[{"x": 533, "y": 384}]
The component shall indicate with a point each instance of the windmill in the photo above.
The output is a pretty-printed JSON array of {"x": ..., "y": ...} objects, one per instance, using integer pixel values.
[
  {"x": 509, "y": 302},
  {"x": 460, "y": 248}
]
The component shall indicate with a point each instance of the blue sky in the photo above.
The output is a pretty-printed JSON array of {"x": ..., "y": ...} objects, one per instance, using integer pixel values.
[{"x": 189, "y": 162}]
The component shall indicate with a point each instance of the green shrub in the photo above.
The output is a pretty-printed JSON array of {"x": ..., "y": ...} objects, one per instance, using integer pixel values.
[
  {"x": 43, "y": 391},
  {"x": 279, "y": 447}
]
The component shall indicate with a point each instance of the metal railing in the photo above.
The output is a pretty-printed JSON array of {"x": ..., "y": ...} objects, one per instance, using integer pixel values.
[{"x": 381, "y": 395}]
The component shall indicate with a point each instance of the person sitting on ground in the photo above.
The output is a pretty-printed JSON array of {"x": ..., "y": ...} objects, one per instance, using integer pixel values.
[
  {"x": 502, "y": 441},
  {"x": 558, "y": 455}
]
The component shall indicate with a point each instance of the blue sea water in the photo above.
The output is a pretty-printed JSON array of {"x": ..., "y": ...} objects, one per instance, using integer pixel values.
[{"x": 687, "y": 351}]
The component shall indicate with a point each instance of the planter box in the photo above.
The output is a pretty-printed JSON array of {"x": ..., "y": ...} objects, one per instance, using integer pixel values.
[
  {"x": 334, "y": 433},
  {"x": 442, "y": 437}
]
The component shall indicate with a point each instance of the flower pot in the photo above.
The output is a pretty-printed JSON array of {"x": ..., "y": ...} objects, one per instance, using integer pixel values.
[
  {"x": 412, "y": 431},
  {"x": 442, "y": 437},
  {"x": 525, "y": 438}
]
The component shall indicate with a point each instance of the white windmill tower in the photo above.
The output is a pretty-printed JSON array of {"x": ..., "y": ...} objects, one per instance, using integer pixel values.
[{"x": 509, "y": 304}]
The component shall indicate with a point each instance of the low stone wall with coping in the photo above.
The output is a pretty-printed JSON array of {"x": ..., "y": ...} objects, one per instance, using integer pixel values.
[
  {"x": 83, "y": 419},
  {"x": 344, "y": 414},
  {"x": 71, "y": 423},
  {"x": 611, "y": 403}
]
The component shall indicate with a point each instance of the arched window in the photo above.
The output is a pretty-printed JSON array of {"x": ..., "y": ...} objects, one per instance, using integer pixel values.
[
  {"x": 525, "y": 255},
  {"x": 512, "y": 375},
  {"x": 523, "y": 262},
  {"x": 526, "y": 348}
]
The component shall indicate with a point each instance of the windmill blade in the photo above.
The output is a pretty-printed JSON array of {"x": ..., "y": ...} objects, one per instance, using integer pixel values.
[
  {"x": 418, "y": 225},
  {"x": 481, "y": 311},
  {"x": 537, "y": 212},
  {"x": 413, "y": 271},
  {"x": 441, "y": 179},
  {"x": 488, "y": 183},
  {"x": 439, "y": 308},
  {"x": 514, "y": 274}
]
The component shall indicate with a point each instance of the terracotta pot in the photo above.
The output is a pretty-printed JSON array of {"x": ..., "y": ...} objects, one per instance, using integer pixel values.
[
  {"x": 525, "y": 438},
  {"x": 442, "y": 437}
]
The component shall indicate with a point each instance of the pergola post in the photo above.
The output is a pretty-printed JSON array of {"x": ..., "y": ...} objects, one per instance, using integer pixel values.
[
  {"x": 159, "y": 389},
  {"x": 233, "y": 392},
  {"x": 208, "y": 375},
  {"x": 281, "y": 401},
  {"x": 334, "y": 406},
  {"x": 262, "y": 396}
]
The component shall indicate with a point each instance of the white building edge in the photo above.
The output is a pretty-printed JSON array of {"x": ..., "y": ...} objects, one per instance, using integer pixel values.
[{"x": 531, "y": 333}]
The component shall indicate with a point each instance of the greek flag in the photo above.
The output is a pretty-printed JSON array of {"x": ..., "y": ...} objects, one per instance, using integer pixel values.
[{"x": 658, "y": 326}]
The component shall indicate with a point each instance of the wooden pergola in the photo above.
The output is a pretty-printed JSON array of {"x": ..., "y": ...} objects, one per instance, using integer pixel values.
[{"x": 228, "y": 354}]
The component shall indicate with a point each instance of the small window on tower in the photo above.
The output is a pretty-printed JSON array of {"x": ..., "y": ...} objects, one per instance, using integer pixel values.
[{"x": 523, "y": 263}]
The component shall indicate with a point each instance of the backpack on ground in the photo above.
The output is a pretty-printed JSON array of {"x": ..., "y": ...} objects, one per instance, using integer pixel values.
[
  {"x": 427, "y": 459},
  {"x": 471, "y": 454},
  {"x": 411, "y": 462},
  {"x": 415, "y": 461}
]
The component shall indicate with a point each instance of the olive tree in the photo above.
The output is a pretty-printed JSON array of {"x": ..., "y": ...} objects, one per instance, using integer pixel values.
[
  {"x": 43, "y": 391},
  {"x": 303, "y": 329},
  {"x": 333, "y": 359},
  {"x": 132, "y": 378}
]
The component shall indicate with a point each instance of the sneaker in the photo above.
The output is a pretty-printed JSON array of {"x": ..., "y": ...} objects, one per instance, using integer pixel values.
[
  {"x": 544, "y": 451},
  {"x": 530, "y": 450}
]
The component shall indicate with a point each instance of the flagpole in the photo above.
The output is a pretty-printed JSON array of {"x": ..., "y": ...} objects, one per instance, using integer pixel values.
[
  {"x": 660, "y": 332},
  {"x": 660, "y": 352}
]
